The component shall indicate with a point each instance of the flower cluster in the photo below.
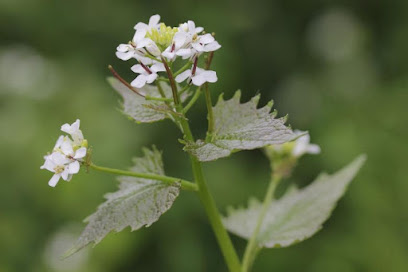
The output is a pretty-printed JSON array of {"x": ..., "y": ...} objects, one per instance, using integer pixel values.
[
  {"x": 64, "y": 161},
  {"x": 155, "y": 43}
]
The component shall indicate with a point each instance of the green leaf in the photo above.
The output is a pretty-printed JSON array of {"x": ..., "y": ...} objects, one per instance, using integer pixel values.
[
  {"x": 240, "y": 127},
  {"x": 296, "y": 216},
  {"x": 140, "y": 109},
  {"x": 138, "y": 202}
]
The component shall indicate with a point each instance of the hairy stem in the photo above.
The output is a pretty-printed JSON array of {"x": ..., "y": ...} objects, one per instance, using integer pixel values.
[
  {"x": 224, "y": 241},
  {"x": 251, "y": 248},
  {"x": 185, "y": 185}
]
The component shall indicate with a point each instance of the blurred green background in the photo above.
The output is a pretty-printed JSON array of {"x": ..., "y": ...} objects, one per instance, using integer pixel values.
[{"x": 339, "y": 69}]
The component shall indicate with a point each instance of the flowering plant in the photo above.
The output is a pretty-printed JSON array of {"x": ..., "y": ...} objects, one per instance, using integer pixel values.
[{"x": 172, "y": 72}]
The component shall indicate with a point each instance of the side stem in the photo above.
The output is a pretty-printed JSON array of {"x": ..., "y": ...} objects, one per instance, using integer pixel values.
[
  {"x": 186, "y": 185},
  {"x": 251, "y": 248}
]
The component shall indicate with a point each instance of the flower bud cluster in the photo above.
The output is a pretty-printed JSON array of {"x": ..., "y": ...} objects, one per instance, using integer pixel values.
[
  {"x": 68, "y": 153},
  {"x": 155, "y": 42}
]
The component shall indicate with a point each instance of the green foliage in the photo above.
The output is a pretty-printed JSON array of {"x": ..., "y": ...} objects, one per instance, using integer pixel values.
[
  {"x": 138, "y": 202},
  {"x": 240, "y": 127},
  {"x": 141, "y": 109},
  {"x": 298, "y": 215}
]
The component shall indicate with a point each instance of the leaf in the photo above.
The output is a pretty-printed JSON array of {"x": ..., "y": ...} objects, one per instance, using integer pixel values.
[
  {"x": 138, "y": 202},
  {"x": 140, "y": 109},
  {"x": 298, "y": 215},
  {"x": 240, "y": 127}
]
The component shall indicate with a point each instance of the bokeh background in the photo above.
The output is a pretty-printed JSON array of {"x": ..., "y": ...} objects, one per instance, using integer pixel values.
[{"x": 339, "y": 69}]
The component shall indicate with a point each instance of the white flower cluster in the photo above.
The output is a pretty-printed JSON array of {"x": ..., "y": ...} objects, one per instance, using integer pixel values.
[
  {"x": 64, "y": 161},
  {"x": 155, "y": 41}
]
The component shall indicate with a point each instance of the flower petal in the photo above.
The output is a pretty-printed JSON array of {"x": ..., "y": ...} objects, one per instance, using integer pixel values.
[
  {"x": 139, "y": 81},
  {"x": 150, "y": 78},
  {"x": 210, "y": 76},
  {"x": 80, "y": 153},
  {"x": 54, "y": 180},
  {"x": 206, "y": 38},
  {"x": 137, "y": 68},
  {"x": 154, "y": 20},
  {"x": 67, "y": 149},
  {"x": 73, "y": 168},
  {"x": 158, "y": 67},
  {"x": 183, "y": 76}
]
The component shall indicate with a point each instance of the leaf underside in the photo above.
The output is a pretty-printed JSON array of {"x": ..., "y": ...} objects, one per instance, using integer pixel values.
[
  {"x": 296, "y": 216},
  {"x": 141, "y": 110},
  {"x": 240, "y": 127},
  {"x": 138, "y": 202}
]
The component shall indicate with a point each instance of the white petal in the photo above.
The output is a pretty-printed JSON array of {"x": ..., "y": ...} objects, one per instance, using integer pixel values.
[
  {"x": 139, "y": 26},
  {"x": 139, "y": 81},
  {"x": 158, "y": 67},
  {"x": 137, "y": 68},
  {"x": 59, "y": 159},
  {"x": 80, "y": 153},
  {"x": 197, "y": 46},
  {"x": 65, "y": 173},
  {"x": 139, "y": 35},
  {"x": 150, "y": 78},
  {"x": 179, "y": 39},
  {"x": 198, "y": 80},
  {"x": 210, "y": 76},
  {"x": 144, "y": 43},
  {"x": 48, "y": 164},
  {"x": 59, "y": 142},
  {"x": 169, "y": 55},
  {"x": 185, "y": 53},
  {"x": 125, "y": 55},
  {"x": 154, "y": 20},
  {"x": 212, "y": 46},
  {"x": 67, "y": 149},
  {"x": 313, "y": 149},
  {"x": 199, "y": 29},
  {"x": 183, "y": 76},
  {"x": 73, "y": 168},
  {"x": 54, "y": 180},
  {"x": 124, "y": 47},
  {"x": 206, "y": 38}
]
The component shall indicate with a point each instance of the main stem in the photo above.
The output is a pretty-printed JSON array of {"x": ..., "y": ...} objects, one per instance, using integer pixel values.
[
  {"x": 251, "y": 248},
  {"x": 224, "y": 241},
  {"x": 186, "y": 185}
]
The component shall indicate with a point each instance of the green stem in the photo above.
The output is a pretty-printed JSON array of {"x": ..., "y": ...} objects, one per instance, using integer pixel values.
[
  {"x": 213, "y": 215},
  {"x": 192, "y": 100},
  {"x": 207, "y": 200},
  {"x": 252, "y": 245},
  {"x": 209, "y": 109},
  {"x": 185, "y": 185},
  {"x": 182, "y": 69},
  {"x": 158, "y": 98}
]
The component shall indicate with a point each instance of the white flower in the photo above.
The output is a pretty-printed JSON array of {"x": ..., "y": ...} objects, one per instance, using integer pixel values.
[
  {"x": 199, "y": 78},
  {"x": 67, "y": 154},
  {"x": 303, "y": 146},
  {"x": 198, "y": 45},
  {"x": 137, "y": 48},
  {"x": 74, "y": 131},
  {"x": 153, "y": 23},
  {"x": 146, "y": 74},
  {"x": 180, "y": 40},
  {"x": 61, "y": 166},
  {"x": 190, "y": 28}
]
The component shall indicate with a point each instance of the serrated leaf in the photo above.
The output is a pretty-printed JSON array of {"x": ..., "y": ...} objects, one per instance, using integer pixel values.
[
  {"x": 240, "y": 127},
  {"x": 138, "y": 202},
  {"x": 296, "y": 216},
  {"x": 140, "y": 109}
]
